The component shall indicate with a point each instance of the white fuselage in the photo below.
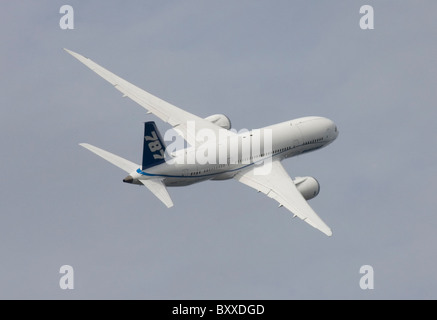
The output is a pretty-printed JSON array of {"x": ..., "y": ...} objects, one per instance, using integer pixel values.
[{"x": 288, "y": 139}]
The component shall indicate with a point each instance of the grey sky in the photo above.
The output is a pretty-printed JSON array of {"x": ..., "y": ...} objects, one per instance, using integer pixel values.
[{"x": 259, "y": 62}]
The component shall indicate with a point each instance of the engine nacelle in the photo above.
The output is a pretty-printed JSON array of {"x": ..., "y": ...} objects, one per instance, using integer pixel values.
[
  {"x": 309, "y": 187},
  {"x": 221, "y": 120}
]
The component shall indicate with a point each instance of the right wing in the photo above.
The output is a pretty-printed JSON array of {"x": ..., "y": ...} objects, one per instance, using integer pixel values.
[
  {"x": 185, "y": 123},
  {"x": 279, "y": 186}
]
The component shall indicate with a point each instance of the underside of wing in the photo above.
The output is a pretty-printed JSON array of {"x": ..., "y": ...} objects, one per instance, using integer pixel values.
[
  {"x": 185, "y": 123},
  {"x": 279, "y": 186}
]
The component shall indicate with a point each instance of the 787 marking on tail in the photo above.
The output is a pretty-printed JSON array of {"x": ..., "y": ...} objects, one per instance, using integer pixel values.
[{"x": 155, "y": 145}]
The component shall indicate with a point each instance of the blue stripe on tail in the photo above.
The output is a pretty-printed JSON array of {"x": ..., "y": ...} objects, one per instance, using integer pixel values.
[{"x": 154, "y": 147}]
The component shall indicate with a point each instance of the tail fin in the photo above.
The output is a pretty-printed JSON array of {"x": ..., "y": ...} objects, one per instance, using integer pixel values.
[{"x": 154, "y": 147}]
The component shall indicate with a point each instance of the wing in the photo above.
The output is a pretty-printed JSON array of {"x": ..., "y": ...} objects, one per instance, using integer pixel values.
[
  {"x": 279, "y": 186},
  {"x": 185, "y": 123}
]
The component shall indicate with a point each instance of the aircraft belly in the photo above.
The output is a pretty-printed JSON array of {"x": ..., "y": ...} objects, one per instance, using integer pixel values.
[
  {"x": 181, "y": 182},
  {"x": 225, "y": 176}
]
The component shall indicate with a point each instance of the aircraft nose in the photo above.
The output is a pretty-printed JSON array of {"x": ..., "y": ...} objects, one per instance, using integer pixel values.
[
  {"x": 331, "y": 128},
  {"x": 128, "y": 179},
  {"x": 334, "y": 131}
]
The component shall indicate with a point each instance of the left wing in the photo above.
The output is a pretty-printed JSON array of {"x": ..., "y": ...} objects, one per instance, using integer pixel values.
[
  {"x": 279, "y": 186},
  {"x": 185, "y": 123}
]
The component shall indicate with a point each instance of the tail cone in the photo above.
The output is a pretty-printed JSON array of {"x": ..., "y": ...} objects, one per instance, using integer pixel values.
[{"x": 128, "y": 179}]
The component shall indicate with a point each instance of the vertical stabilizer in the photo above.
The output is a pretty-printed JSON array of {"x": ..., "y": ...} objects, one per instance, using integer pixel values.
[{"x": 154, "y": 147}]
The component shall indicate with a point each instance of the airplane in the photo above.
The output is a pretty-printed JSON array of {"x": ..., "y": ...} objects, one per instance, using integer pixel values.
[{"x": 160, "y": 170}]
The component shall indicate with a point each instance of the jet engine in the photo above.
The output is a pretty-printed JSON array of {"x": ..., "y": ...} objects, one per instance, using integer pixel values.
[
  {"x": 309, "y": 187},
  {"x": 221, "y": 120}
]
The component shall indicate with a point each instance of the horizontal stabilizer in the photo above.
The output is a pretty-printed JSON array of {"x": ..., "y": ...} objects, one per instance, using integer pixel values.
[
  {"x": 123, "y": 164},
  {"x": 159, "y": 190}
]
